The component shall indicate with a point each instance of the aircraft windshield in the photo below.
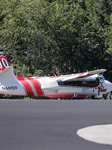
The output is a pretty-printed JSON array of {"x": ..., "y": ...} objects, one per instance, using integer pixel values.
[{"x": 101, "y": 78}]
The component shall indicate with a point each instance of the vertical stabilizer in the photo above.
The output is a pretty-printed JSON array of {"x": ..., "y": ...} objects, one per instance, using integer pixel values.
[{"x": 3, "y": 61}]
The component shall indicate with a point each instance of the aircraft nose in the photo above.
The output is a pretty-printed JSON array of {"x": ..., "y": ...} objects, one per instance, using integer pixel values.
[{"x": 108, "y": 86}]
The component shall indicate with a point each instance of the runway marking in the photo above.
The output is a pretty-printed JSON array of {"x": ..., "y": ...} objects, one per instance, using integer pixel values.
[{"x": 101, "y": 134}]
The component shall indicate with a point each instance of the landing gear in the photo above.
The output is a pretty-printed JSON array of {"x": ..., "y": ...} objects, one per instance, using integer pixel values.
[{"x": 108, "y": 95}]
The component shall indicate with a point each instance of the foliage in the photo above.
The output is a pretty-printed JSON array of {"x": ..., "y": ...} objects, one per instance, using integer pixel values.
[{"x": 48, "y": 37}]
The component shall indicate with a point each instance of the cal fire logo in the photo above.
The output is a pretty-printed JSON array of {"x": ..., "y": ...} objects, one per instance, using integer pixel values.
[{"x": 3, "y": 63}]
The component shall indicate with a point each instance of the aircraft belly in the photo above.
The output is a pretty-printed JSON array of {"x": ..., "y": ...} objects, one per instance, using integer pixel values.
[
  {"x": 62, "y": 90},
  {"x": 47, "y": 92},
  {"x": 69, "y": 90},
  {"x": 89, "y": 92}
]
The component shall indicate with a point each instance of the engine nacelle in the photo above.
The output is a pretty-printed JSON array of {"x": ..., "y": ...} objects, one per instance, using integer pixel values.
[{"x": 84, "y": 83}]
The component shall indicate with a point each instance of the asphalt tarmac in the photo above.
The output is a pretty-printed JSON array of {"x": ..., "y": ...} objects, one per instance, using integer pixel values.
[{"x": 51, "y": 124}]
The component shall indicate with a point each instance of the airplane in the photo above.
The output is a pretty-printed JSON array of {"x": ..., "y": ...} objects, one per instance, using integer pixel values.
[{"x": 65, "y": 86}]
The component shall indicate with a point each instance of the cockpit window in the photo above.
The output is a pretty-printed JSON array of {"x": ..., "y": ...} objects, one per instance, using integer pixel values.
[{"x": 101, "y": 78}]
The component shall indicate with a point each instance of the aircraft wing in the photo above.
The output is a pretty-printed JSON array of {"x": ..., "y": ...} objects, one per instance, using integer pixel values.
[
  {"x": 96, "y": 71},
  {"x": 83, "y": 75}
]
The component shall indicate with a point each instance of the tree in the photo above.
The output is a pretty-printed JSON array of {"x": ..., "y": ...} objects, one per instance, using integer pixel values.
[
  {"x": 109, "y": 39},
  {"x": 55, "y": 37},
  {"x": 98, "y": 25},
  {"x": 21, "y": 38}
]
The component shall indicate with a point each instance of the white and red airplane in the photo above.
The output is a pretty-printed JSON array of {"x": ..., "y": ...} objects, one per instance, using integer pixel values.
[{"x": 81, "y": 85}]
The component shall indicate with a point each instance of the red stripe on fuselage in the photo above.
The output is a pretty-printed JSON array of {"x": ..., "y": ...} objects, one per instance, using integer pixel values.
[
  {"x": 55, "y": 96},
  {"x": 81, "y": 96},
  {"x": 26, "y": 86},
  {"x": 20, "y": 78},
  {"x": 37, "y": 86}
]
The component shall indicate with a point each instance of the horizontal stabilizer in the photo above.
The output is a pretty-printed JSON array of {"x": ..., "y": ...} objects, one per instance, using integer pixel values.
[{"x": 7, "y": 72}]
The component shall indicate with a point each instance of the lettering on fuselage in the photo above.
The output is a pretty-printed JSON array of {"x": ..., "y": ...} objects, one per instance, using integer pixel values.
[{"x": 9, "y": 88}]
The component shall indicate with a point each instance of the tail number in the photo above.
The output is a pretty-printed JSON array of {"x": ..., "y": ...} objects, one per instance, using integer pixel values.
[
  {"x": 9, "y": 88},
  {"x": 4, "y": 63}
]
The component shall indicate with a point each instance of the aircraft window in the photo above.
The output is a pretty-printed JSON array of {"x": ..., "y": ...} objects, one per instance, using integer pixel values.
[{"x": 101, "y": 78}]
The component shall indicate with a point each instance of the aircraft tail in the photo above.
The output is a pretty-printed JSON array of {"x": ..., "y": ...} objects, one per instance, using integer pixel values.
[
  {"x": 8, "y": 72},
  {"x": 3, "y": 61}
]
